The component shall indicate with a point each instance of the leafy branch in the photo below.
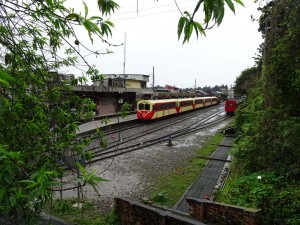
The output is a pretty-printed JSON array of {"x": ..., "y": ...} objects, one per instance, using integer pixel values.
[{"x": 213, "y": 12}]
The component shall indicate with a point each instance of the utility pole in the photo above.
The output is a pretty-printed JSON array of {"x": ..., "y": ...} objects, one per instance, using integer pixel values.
[
  {"x": 124, "y": 54},
  {"x": 124, "y": 61},
  {"x": 153, "y": 80}
]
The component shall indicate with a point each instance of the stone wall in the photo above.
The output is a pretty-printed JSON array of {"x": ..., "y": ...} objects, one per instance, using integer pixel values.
[
  {"x": 214, "y": 212},
  {"x": 134, "y": 213}
]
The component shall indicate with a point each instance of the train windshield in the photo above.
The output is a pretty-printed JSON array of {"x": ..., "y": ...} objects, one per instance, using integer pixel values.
[
  {"x": 141, "y": 106},
  {"x": 144, "y": 106},
  {"x": 147, "y": 106}
]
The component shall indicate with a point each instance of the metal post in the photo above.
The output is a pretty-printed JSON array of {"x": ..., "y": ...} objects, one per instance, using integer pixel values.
[{"x": 153, "y": 80}]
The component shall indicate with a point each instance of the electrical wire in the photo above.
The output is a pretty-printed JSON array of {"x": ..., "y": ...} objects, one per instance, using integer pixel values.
[
  {"x": 151, "y": 8},
  {"x": 152, "y": 14}
]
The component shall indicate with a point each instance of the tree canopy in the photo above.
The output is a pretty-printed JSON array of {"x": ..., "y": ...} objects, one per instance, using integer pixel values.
[
  {"x": 247, "y": 80},
  {"x": 268, "y": 124},
  {"x": 37, "y": 126}
]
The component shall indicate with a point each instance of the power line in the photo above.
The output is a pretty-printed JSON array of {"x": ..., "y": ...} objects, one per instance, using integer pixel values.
[
  {"x": 152, "y": 14},
  {"x": 151, "y": 8}
]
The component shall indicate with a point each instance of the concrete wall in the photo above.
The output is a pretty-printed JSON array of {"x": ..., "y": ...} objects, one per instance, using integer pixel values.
[
  {"x": 214, "y": 212},
  {"x": 134, "y": 213}
]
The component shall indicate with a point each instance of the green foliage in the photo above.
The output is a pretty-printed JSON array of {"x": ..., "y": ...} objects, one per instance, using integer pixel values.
[
  {"x": 252, "y": 191},
  {"x": 88, "y": 214},
  {"x": 247, "y": 80},
  {"x": 268, "y": 141},
  {"x": 88, "y": 177},
  {"x": 278, "y": 199},
  {"x": 284, "y": 206},
  {"x": 125, "y": 108},
  {"x": 107, "y": 6},
  {"x": 39, "y": 114},
  {"x": 268, "y": 124},
  {"x": 213, "y": 13},
  {"x": 281, "y": 69},
  {"x": 20, "y": 196}
]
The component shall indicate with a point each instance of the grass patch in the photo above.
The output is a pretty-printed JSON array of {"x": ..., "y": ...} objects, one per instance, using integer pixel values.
[
  {"x": 235, "y": 173},
  {"x": 170, "y": 188},
  {"x": 88, "y": 214}
]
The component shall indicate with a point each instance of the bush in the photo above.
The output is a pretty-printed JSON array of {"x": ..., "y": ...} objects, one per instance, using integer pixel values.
[{"x": 279, "y": 201}]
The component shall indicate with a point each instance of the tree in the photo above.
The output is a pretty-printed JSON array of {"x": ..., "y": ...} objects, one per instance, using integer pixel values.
[
  {"x": 270, "y": 121},
  {"x": 268, "y": 124},
  {"x": 37, "y": 125},
  {"x": 247, "y": 80}
]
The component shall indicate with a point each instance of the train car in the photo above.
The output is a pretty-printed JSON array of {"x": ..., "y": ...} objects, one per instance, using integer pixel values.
[
  {"x": 230, "y": 106},
  {"x": 215, "y": 101},
  {"x": 155, "y": 109},
  {"x": 207, "y": 101},
  {"x": 198, "y": 102},
  {"x": 185, "y": 104}
]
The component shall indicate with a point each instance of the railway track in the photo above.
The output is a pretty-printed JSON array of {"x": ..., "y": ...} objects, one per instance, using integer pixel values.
[
  {"x": 149, "y": 131},
  {"x": 172, "y": 119},
  {"x": 137, "y": 141},
  {"x": 166, "y": 122},
  {"x": 116, "y": 150}
]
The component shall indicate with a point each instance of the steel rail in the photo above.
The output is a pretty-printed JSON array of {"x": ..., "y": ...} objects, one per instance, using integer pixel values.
[
  {"x": 135, "y": 147},
  {"x": 145, "y": 133},
  {"x": 150, "y": 131}
]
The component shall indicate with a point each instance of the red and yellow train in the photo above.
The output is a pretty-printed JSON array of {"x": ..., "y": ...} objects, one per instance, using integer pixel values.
[{"x": 155, "y": 109}]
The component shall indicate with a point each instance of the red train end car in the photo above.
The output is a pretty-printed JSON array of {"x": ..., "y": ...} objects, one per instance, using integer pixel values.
[{"x": 230, "y": 106}]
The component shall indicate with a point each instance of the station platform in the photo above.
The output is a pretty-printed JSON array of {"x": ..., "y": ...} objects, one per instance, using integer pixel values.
[{"x": 97, "y": 123}]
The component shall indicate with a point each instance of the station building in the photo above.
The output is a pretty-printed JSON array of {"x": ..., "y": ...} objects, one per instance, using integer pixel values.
[
  {"x": 113, "y": 91},
  {"x": 110, "y": 93}
]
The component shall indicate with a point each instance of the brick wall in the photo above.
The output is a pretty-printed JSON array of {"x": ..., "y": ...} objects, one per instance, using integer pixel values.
[
  {"x": 134, "y": 213},
  {"x": 214, "y": 212}
]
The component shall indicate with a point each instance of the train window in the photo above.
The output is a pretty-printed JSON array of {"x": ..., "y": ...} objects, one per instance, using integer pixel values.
[
  {"x": 186, "y": 103},
  {"x": 147, "y": 106},
  {"x": 141, "y": 106},
  {"x": 165, "y": 106}
]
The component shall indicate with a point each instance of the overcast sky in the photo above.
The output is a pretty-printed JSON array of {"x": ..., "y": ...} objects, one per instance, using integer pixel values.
[{"x": 151, "y": 40}]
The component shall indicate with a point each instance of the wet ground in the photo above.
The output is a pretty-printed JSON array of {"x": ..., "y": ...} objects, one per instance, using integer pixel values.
[{"x": 131, "y": 175}]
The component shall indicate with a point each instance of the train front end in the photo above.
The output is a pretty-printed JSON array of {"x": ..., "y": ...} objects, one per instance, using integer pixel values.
[{"x": 144, "y": 110}]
